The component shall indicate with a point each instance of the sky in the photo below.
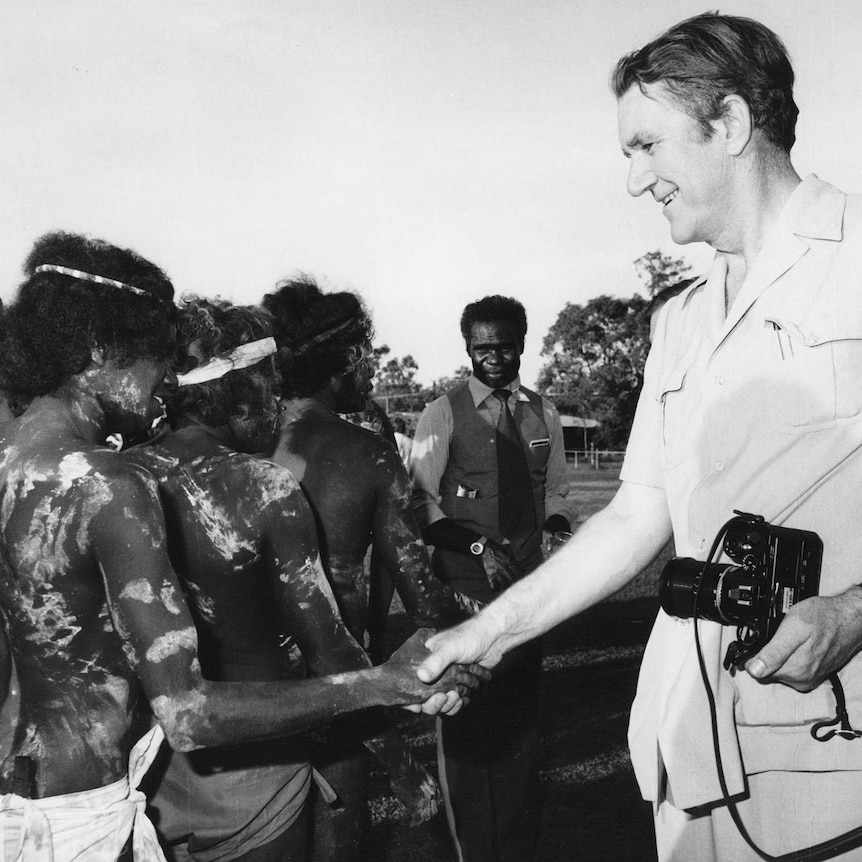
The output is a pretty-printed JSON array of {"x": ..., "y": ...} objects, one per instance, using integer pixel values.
[{"x": 423, "y": 153}]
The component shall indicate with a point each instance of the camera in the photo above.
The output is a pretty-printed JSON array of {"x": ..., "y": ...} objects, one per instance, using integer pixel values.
[{"x": 773, "y": 569}]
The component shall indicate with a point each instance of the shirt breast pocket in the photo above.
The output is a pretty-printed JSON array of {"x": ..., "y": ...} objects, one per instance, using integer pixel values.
[{"x": 816, "y": 374}]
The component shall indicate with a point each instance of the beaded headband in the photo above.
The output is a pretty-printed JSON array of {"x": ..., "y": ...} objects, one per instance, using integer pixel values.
[
  {"x": 243, "y": 356},
  {"x": 88, "y": 276}
]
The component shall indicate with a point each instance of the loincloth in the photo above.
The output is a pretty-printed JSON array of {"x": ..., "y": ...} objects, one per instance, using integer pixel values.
[
  {"x": 226, "y": 802},
  {"x": 88, "y": 826}
]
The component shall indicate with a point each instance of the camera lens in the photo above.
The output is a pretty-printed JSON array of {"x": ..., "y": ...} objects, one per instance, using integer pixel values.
[{"x": 726, "y": 593}]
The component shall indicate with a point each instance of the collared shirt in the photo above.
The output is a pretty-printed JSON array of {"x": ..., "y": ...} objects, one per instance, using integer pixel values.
[
  {"x": 430, "y": 453},
  {"x": 758, "y": 409}
]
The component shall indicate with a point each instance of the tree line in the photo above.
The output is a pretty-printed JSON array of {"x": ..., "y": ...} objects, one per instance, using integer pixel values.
[{"x": 595, "y": 355}]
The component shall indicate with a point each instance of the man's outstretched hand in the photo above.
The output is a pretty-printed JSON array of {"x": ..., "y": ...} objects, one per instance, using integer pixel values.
[
  {"x": 444, "y": 693},
  {"x": 463, "y": 646}
]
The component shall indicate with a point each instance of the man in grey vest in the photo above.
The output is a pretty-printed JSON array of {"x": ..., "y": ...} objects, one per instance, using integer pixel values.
[{"x": 489, "y": 473}]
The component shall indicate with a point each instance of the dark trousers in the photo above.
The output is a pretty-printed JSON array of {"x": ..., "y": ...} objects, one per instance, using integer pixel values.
[{"x": 489, "y": 763}]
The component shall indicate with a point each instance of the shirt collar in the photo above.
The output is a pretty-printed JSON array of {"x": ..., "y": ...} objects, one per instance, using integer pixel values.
[
  {"x": 480, "y": 391},
  {"x": 815, "y": 209}
]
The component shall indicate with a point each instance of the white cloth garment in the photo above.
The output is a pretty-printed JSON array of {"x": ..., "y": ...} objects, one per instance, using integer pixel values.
[{"x": 89, "y": 826}]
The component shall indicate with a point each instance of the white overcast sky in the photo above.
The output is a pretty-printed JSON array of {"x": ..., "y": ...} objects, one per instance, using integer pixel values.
[{"x": 421, "y": 152}]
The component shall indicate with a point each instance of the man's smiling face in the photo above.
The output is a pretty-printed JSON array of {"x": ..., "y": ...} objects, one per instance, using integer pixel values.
[{"x": 685, "y": 172}]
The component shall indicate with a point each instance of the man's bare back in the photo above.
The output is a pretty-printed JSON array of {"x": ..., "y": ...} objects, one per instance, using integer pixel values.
[
  {"x": 359, "y": 492},
  {"x": 245, "y": 545},
  {"x": 70, "y": 511}
]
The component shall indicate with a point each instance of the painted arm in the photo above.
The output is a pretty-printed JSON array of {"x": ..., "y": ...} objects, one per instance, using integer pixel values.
[
  {"x": 308, "y": 607},
  {"x": 380, "y": 591},
  {"x": 160, "y": 641}
]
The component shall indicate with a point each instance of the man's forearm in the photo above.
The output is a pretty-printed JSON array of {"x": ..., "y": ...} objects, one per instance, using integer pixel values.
[{"x": 225, "y": 713}]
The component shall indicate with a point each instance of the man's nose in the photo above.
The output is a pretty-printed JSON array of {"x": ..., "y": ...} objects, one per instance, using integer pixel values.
[{"x": 640, "y": 177}]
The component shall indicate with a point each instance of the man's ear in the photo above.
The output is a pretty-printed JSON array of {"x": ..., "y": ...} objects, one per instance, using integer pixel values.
[
  {"x": 520, "y": 347},
  {"x": 735, "y": 126}
]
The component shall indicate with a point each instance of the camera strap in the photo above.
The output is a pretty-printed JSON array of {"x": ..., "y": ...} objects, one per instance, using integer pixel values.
[
  {"x": 846, "y": 731},
  {"x": 819, "y": 852}
]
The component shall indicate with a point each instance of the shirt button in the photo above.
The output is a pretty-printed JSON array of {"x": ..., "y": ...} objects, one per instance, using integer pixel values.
[
  {"x": 702, "y": 545},
  {"x": 719, "y": 380},
  {"x": 719, "y": 466}
]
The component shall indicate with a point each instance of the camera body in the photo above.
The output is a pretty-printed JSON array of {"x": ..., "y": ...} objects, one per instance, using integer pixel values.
[{"x": 773, "y": 568}]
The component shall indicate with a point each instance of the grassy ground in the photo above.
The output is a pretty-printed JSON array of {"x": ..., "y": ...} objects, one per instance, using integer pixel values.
[{"x": 592, "y": 809}]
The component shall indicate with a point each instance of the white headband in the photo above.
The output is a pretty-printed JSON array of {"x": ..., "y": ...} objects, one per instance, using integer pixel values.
[
  {"x": 240, "y": 357},
  {"x": 88, "y": 276}
]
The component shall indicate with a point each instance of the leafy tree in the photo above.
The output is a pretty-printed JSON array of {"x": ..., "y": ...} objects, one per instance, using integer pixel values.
[
  {"x": 443, "y": 384},
  {"x": 397, "y": 375},
  {"x": 597, "y": 351},
  {"x": 596, "y": 356},
  {"x": 377, "y": 354},
  {"x": 659, "y": 270},
  {"x": 395, "y": 381}
]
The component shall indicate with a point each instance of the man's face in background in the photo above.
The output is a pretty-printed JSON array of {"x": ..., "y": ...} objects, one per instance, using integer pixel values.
[{"x": 495, "y": 351}]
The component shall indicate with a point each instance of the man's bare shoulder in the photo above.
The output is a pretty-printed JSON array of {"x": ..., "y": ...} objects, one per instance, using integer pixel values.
[
  {"x": 245, "y": 481},
  {"x": 31, "y": 466},
  {"x": 368, "y": 453},
  {"x": 228, "y": 473},
  {"x": 152, "y": 457}
]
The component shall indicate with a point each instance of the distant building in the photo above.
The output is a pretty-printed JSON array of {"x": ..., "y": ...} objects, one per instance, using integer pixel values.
[{"x": 578, "y": 432}]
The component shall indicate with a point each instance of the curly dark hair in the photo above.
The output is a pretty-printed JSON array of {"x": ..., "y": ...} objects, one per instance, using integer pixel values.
[
  {"x": 492, "y": 308},
  {"x": 47, "y": 334},
  {"x": 209, "y": 328},
  {"x": 705, "y": 58},
  {"x": 326, "y": 334}
]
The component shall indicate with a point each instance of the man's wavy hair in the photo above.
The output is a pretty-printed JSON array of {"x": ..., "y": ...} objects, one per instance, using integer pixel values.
[
  {"x": 210, "y": 328},
  {"x": 326, "y": 334},
  {"x": 705, "y": 58},
  {"x": 493, "y": 308},
  {"x": 49, "y": 331}
]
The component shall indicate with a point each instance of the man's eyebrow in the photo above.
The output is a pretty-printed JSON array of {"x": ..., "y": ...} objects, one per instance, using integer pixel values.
[{"x": 636, "y": 142}]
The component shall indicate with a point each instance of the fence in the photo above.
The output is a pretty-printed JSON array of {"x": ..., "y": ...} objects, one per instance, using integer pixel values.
[{"x": 595, "y": 458}]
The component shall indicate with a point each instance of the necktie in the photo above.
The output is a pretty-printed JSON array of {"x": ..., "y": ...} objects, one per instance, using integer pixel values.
[{"x": 517, "y": 510}]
